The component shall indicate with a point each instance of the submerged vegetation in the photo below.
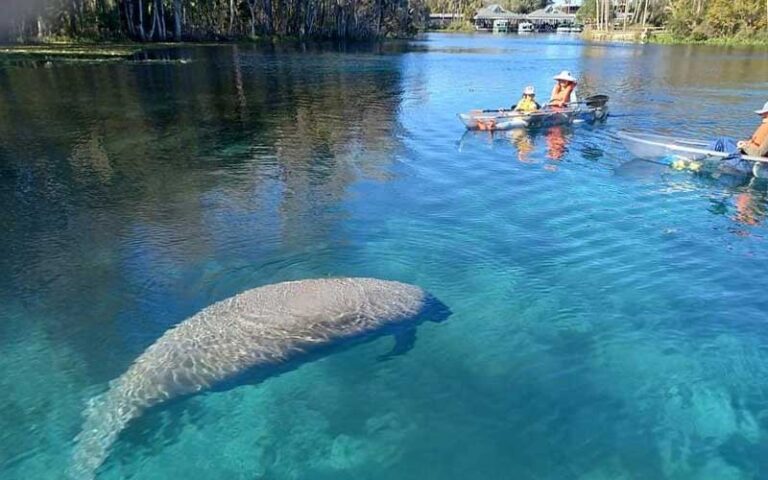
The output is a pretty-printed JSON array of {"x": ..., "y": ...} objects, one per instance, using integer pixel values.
[{"x": 176, "y": 20}]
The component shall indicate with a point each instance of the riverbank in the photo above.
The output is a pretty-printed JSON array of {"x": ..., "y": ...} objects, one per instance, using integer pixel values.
[
  {"x": 628, "y": 36},
  {"x": 661, "y": 37},
  {"x": 72, "y": 50},
  {"x": 669, "y": 39}
]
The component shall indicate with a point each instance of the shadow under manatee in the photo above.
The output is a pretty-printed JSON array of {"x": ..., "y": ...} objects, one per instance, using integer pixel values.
[{"x": 165, "y": 423}]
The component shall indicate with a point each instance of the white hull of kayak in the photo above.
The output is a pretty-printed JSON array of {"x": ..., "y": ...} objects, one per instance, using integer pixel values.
[{"x": 667, "y": 150}]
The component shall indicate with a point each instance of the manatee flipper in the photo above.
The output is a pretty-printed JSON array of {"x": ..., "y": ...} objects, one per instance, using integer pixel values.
[{"x": 404, "y": 342}]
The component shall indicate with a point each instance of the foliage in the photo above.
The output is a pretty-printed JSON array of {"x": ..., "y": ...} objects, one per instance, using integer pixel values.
[
  {"x": 692, "y": 20},
  {"x": 700, "y": 20},
  {"x": 526, "y": 6},
  {"x": 587, "y": 11},
  {"x": 165, "y": 20}
]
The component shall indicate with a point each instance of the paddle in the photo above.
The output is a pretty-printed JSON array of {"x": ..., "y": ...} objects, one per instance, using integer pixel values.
[{"x": 594, "y": 101}]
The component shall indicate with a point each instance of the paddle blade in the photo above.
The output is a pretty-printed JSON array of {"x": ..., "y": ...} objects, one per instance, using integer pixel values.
[{"x": 596, "y": 101}]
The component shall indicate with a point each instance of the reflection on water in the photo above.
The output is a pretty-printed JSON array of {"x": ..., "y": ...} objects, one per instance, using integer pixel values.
[
  {"x": 744, "y": 200},
  {"x": 608, "y": 313},
  {"x": 551, "y": 140}
]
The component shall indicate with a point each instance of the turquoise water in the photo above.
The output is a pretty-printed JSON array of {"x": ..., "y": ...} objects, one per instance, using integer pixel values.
[{"x": 608, "y": 313}]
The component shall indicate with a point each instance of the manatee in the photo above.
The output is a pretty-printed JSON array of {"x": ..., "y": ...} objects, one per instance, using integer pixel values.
[{"x": 263, "y": 329}]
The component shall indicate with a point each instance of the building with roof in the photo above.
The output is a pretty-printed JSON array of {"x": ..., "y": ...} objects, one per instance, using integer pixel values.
[{"x": 557, "y": 13}]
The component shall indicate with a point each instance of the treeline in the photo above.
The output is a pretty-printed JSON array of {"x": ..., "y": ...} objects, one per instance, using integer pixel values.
[
  {"x": 701, "y": 19},
  {"x": 176, "y": 20},
  {"x": 693, "y": 19}
]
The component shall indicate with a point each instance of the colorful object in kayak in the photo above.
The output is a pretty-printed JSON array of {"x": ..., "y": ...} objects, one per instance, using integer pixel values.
[
  {"x": 685, "y": 164},
  {"x": 691, "y": 154},
  {"x": 486, "y": 124}
]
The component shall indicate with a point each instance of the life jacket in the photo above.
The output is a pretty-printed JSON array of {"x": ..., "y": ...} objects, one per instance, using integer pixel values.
[
  {"x": 562, "y": 94},
  {"x": 760, "y": 136},
  {"x": 527, "y": 105}
]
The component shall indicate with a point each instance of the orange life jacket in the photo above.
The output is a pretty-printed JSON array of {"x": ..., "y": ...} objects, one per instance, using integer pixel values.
[
  {"x": 760, "y": 135},
  {"x": 562, "y": 94}
]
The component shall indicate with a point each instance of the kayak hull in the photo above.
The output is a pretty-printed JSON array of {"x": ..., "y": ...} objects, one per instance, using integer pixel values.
[
  {"x": 508, "y": 120},
  {"x": 672, "y": 151}
]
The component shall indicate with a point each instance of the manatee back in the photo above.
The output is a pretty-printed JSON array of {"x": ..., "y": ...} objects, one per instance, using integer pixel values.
[
  {"x": 266, "y": 325},
  {"x": 336, "y": 303}
]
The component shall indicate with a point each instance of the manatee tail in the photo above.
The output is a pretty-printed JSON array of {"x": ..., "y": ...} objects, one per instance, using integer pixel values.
[{"x": 105, "y": 417}]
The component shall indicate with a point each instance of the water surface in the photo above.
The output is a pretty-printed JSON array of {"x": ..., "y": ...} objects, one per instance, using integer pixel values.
[{"x": 609, "y": 314}]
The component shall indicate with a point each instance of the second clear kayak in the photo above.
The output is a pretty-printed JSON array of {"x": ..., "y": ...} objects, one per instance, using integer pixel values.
[{"x": 672, "y": 150}]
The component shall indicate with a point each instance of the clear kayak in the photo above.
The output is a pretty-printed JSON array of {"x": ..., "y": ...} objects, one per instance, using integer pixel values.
[
  {"x": 690, "y": 152},
  {"x": 592, "y": 109},
  {"x": 508, "y": 119}
]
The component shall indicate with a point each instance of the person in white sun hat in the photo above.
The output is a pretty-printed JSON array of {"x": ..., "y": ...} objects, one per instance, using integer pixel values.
[
  {"x": 527, "y": 104},
  {"x": 757, "y": 145},
  {"x": 562, "y": 93}
]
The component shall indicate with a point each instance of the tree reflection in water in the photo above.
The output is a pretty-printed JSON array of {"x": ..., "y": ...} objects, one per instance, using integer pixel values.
[{"x": 139, "y": 170}]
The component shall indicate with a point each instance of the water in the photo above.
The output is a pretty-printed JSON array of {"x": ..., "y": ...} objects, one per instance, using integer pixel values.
[{"x": 609, "y": 314}]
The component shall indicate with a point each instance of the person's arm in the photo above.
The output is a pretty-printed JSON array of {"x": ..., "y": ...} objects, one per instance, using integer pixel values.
[
  {"x": 751, "y": 147},
  {"x": 567, "y": 95},
  {"x": 555, "y": 92},
  {"x": 754, "y": 150}
]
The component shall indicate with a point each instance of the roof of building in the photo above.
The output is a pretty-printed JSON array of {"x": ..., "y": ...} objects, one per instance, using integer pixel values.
[
  {"x": 551, "y": 11},
  {"x": 567, "y": 3},
  {"x": 496, "y": 11}
]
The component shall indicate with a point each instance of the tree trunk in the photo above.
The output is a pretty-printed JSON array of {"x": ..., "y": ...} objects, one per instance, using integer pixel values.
[
  {"x": 151, "y": 34},
  {"x": 231, "y": 17},
  {"x": 177, "y": 20},
  {"x": 140, "y": 26},
  {"x": 626, "y": 4},
  {"x": 252, "y": 10},
  {"x": 163, "y": 29},
  {"x": 40, "y": 28},
  {"x": 268, "y": 26},
  {"x": 128, "y": 8},
  {"x": 597, "y": 14}
]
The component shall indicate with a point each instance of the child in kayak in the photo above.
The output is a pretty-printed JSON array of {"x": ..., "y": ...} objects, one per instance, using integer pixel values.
[
  {"x": 562, "y": 93},
  {"x": 757, "y": 145},
  {"x": 527, "y": 104}
]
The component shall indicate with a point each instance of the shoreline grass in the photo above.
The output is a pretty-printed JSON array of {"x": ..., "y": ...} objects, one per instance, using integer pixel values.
[
  {"x": 669, "y": 39},
  {"x": 69, "y": 50}
]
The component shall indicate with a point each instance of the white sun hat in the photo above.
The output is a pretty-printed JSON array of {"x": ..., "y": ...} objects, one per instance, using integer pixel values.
[
  {"x": 565, "y": 75},
  {"x": 763, "y": 110},
  {"x": 529, "y": 90}
]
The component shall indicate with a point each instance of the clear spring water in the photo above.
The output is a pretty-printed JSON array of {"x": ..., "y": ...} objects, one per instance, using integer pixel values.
[{"x": 609, "y": 314}]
